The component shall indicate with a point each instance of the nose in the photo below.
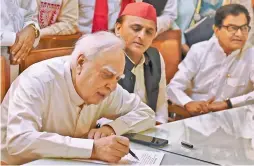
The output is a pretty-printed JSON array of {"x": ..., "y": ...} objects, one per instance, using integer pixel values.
[
  {"x": 142, "y": 34},
  {"x": 111, "y": 85},
  {"x": 239, "y": 32}
]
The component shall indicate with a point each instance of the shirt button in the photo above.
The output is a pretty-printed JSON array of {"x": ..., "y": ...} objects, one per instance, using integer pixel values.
[{"x": 228, "y": 75}]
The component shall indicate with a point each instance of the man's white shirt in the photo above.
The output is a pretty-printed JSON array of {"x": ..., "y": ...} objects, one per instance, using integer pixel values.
[
  {"x": 208, "y": 72},
  {"x": 140, "y": 89},
  {"x": 41, "y": 115}
]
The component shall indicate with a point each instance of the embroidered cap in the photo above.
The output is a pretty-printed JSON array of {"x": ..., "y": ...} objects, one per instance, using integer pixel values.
[{"x": 140, "y": 9}]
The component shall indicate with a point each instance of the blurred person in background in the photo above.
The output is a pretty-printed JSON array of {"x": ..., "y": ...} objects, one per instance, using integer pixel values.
[
  {"x": 192, "y": 11},
  {"x": 95, "y": 15},
  {"x": 58, "y": 17},
  {"x": 19, "y": 32}
]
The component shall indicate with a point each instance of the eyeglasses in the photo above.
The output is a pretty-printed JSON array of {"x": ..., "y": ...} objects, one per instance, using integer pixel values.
[{"x": 233, "y": 28}]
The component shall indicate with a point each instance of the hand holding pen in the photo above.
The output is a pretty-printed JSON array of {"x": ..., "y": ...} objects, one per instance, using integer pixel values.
[
  {"x": 110, "y": 149},
  {"x": 131, "y": 152}
]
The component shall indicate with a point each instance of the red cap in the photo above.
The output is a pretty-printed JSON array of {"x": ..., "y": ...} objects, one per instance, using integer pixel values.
[{"x": 140, "y": 9}]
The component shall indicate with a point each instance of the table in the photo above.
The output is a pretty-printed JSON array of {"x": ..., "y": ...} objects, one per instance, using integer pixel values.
[
  {"x": 169, "y": 159},
  {"x": 220, "y": 147}
]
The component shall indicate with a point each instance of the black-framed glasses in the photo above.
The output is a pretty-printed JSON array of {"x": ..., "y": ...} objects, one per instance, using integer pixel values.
[{"x": 234, "y": 28}]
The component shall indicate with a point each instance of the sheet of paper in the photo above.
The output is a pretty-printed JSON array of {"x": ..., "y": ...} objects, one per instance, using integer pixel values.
[{"x": 145, "y": 158}]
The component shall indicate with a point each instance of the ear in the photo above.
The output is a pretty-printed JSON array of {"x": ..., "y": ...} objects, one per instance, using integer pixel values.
[
  {"x": 117, "y": 29},
  {"x": 80, "y": 61},
  {"x": 216, "y": 30},
  {"x": 155, "y": 34}
]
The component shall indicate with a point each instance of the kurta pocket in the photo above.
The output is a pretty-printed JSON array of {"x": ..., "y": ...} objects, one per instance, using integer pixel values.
[{"x": 236, "y": 82}]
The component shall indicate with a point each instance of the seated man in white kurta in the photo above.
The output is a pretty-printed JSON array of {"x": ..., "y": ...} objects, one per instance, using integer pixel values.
[
  {"x": 51, "y": 108},
  {"x": 221, "y": 69},
  {"x": 219, "y": 73}
]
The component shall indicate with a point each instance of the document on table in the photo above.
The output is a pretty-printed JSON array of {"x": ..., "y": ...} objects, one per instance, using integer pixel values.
[{"x": 145, "y": 158}]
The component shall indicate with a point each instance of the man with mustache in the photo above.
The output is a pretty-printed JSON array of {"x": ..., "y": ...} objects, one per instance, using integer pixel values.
[{"x": 219, "y": 73}]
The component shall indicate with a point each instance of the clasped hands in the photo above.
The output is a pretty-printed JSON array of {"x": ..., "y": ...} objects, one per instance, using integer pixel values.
[
  {"x": 23, "y": 44},
  {"x": 202, "y": 107}
]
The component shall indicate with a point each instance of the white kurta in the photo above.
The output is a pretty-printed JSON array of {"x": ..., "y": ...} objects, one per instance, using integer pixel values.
[
  {"x": 211, "y": 73},
  {"x": 16, "y": 15},
  {"x": 86, "y": 13},
  {"x": 41, "y": 117},
  {"x": 66, "y": 21},
  {"x": 161, "y": 114},
  {"x": 140, "y": 89}
]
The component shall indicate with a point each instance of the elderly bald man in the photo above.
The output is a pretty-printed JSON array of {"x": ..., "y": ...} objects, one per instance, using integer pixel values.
[{"x": 53, "y": 105}]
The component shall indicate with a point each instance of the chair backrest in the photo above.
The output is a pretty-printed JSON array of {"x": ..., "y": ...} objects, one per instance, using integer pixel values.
[
  {"x": 58, "y": 41},
  {"x": 169, "y": 45},
  {"x": 43, "y": 54},
  {"x": 5, "y": 76}
]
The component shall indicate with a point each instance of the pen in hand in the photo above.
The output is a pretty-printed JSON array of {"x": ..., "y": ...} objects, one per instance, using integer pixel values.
[
  {"x": 130, "y": 151},
  {"x": 133, "y": 154}
]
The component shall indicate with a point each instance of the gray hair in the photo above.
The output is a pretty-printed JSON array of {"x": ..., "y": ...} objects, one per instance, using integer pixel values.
[{"x": 92, "y": 45}]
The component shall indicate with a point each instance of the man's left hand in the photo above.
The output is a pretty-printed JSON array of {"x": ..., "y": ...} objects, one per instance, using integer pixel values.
[
  {"x": 218, "y": 106},
  {"x": 23, "y": 44},
  {"x": 104, "y": 131}
]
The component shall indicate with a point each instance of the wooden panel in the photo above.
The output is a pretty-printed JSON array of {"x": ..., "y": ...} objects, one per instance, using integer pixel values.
[
  {"x": 58, "y": 41},
  {"x": 5, "y": 76},
  {"x": 43, "y": 54},
  {"x": 169, "y": 45},
  {"x": 253, "y": 4}
]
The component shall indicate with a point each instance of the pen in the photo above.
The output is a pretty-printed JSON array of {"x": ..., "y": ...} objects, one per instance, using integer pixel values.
[
  {"x": 185, "y": 144},
  {"x": 133, "y": 154}
]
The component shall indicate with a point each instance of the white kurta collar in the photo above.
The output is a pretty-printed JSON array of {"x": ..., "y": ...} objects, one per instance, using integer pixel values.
[
  {"x": 141, "y": 62},
  {"x": 73, "y": 94}
]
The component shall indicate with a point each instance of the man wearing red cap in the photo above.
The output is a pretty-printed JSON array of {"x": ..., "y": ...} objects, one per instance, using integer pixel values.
[
  {"x": 144, "y": 67},
  {"x": 96, "y": 15}
]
